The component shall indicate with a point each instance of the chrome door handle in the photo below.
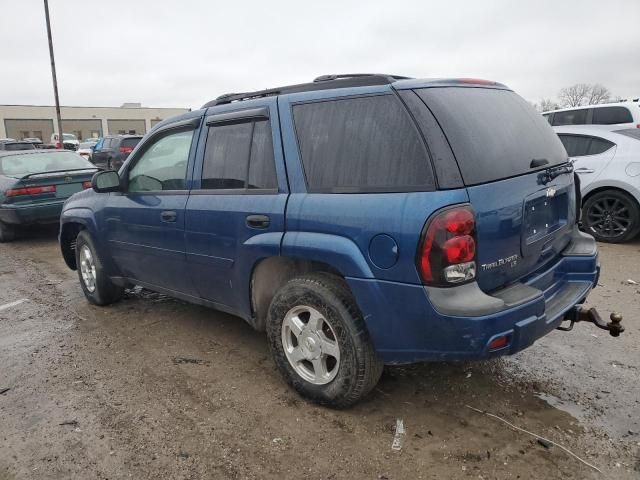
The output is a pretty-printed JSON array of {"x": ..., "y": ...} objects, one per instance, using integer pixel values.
[{"x": 584, "y": 170}]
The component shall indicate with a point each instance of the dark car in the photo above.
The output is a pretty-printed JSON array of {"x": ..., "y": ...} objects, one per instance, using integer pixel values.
[
  {"x": 34, "y": 185},
  {"x": 359, "y": 220},
  {"x": 113, "y": 151},
  {"x": 13, "y": 146}
]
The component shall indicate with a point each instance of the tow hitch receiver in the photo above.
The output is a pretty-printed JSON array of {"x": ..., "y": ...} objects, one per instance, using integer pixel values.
[{"x": 582, "y": 314}]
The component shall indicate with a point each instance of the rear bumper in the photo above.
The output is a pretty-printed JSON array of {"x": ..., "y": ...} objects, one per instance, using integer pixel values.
[
  {"x": 32, "y": 214},
  {"x": 411, "y": 323}
]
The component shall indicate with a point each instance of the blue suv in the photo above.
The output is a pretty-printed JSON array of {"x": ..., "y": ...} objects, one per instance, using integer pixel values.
[{"x": 360, "y": 220}]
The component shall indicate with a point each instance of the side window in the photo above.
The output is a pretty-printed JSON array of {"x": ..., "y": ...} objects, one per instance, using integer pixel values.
[
  {"x": 364, "y": 144},
  {"x": 571, "y": 117},
  {"x": 162, "y": 165},
  {"x": 262, "y": 172},
  {"x": 580, "y": 146},
  {"x": 576, "y": 146},
  {"x": 548, "y": 117},
  {"x": 239, "y": 156},
  {"x": 599, "y": 145},
  {"x": 611, "y": 115}
]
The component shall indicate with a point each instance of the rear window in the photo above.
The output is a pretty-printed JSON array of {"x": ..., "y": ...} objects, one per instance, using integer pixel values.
[
  {"x": 19, "y": 146},
  {"x": 28, "y": 163},
  {"x": 494, "y": 134},
  {"x": 611, "y": 115},
  {"x": 130, "y": 142},
  {"x": 571, "y": 117},
  {"x": 364, "y": 144}
]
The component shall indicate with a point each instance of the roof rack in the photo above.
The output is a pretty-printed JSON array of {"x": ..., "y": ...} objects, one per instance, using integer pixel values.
[{"x": 323, "y": 82}]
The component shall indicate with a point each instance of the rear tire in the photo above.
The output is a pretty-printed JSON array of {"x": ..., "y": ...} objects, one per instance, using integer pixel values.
[
  {"x": 95, "y": 283},
  {"x": 611, "y": 216},
  {"x": 7, "y": 233},
  {"x": 319, "y": 341}
]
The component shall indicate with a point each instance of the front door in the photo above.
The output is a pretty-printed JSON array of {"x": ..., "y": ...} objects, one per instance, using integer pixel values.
[
  {"x": 235, "y": 213},
  {"x": 145, "y": 224}
]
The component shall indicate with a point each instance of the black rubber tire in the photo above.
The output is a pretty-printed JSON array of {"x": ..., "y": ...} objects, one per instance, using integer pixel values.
[
  {"x": 7, "y": 233},
  {"x": 106, "y": 292},
  {"x": 588, "y": 208},
  {"x": 359, "y": 369}
]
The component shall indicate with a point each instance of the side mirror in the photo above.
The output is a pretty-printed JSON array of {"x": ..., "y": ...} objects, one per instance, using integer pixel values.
[{"x": 106, "y": 181}]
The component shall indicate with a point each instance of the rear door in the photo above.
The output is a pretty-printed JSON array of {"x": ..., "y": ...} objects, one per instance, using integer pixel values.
[
  {"x": 503, "y": 147},
  {"x": 235, "y": 213},
  {"x": 590, "y": 155}
]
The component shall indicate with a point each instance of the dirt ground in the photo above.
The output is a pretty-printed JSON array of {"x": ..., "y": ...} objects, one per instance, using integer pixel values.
[{"x": 153, "y": 388}]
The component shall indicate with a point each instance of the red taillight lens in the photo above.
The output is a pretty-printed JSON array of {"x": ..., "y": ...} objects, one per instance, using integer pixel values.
[
  {"x": 86, "y": 185},
  {"x": 460, "y": 249},
  {"x": 126, "y": 149},
  {"x": 59, "y": 145},
  {"x": 448, "y": 250},
  {"x": 16, "y": 192}
]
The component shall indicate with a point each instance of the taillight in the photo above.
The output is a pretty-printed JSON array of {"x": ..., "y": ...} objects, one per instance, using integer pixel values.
[
  {"x": 126, "y": 149},
  {"x": 16, "y": 192},
  {"x": 447, "y": 252},
  {"x": 86, "y": 185},
  {"x": 59, "y": 145}
]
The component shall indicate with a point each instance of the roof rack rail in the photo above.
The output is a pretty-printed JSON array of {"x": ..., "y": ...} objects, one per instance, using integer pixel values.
[
  {"x": 326, "y": 78},
  {"x": 323, "y": 82}
]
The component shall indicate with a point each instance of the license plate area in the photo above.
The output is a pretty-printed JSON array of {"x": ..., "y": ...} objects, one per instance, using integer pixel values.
[
  {"x": 67, "y": 189},
  {"x": 544, "y": 213}
]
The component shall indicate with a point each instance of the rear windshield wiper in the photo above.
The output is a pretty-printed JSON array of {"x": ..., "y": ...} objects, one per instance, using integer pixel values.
[{"x": 550, "y": 173}]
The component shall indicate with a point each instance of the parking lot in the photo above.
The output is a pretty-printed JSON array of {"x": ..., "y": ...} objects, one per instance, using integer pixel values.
[{"x": 155, "y": 388}]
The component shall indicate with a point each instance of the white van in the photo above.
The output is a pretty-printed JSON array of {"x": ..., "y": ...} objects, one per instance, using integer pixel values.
[{"x": 623, "y": 114}]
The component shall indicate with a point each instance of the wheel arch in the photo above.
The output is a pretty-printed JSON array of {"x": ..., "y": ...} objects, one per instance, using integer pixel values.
[{"x": 272, "y": 273}]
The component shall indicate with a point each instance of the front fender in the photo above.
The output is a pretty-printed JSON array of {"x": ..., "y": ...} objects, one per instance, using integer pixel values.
[{"x": 339, "y": 252}]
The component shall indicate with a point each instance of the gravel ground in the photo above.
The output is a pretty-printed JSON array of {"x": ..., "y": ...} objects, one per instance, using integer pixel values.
[{"x": 156, "y": 388}]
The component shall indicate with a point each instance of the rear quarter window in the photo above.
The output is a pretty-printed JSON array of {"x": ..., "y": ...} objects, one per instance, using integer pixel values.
[
  {"x": 611, "y": 115},
  {"x": 494, "y": 133},
  {"x": 361, "y": 144}
]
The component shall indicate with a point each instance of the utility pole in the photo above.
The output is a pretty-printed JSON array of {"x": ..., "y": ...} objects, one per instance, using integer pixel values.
[{"x": 53, "y": 74}]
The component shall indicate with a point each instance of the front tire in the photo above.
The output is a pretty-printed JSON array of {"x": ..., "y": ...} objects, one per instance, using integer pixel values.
[
  {"x": 611, "y": 216},
  {"x": 95, "y": 283},
  {"x": 7, "y": 233},
  {"x": 319, "y": 341}
]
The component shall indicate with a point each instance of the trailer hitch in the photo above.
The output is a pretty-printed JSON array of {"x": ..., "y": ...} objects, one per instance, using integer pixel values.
[{"x": 582, "y": 314}]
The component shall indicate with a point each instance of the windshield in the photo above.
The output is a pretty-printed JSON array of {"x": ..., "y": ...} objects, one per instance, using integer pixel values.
[
  {"x": 494, "y": 133},
  {"x": 20, "y": 165},
  {"x": 69, "y": 136}
]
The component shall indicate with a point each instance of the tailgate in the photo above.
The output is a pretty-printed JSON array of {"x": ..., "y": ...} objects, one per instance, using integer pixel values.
[{"x": 521, "y": 226}]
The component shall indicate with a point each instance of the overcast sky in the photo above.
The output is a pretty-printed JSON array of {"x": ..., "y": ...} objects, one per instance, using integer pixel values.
[{"x": 185, "y": 53}]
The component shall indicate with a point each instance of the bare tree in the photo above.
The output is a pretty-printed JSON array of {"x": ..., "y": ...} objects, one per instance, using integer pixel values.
[
  {"x": 547, "y": 104},
  {"x": 598, "y": 94},
  {"x": 575, "y": 95}
]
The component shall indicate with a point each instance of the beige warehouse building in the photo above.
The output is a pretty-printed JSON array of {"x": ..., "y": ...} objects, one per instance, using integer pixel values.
[{"x": 28, "y": 121}]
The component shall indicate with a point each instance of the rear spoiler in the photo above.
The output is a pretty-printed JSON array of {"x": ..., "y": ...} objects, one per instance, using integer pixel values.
[{"x": 58, "y": 171}]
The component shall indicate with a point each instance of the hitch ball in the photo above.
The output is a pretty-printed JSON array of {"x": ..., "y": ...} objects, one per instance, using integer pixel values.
[{"x": 615, "y": 327}]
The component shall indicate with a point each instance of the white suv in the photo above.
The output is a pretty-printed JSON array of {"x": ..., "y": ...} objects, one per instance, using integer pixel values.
[
  {"x": 607, "y": 161},
  {"x": 622, "y": 114}
]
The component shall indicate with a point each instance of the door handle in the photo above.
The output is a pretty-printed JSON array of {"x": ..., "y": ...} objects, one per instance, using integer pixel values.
[
  {"x": 168, "y": 216},
  {"x": 258, "y": 221},
  {"x": 584, "y": 170}
]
